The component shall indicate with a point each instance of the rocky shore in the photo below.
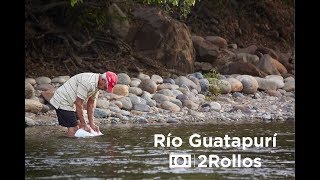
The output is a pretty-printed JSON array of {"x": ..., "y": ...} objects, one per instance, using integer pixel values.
[{"x": 176, "y": 99}]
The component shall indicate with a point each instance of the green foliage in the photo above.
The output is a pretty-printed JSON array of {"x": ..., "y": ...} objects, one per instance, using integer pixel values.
[
  {"x": 88, "y": 18},
  {"x": 288, "y": 2},
  {"x": 183, "y": 7},
  {"x": 214, "y": 86},
  {"x": 212, "y": 74},
  {"x": 213, "y": 78},
  {"x": 73, "y": 2}
]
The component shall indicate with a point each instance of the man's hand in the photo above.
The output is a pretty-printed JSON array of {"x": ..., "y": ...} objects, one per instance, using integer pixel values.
[
  {"x": 85, "y": 127},
  {"x": 94, "y": 127}
]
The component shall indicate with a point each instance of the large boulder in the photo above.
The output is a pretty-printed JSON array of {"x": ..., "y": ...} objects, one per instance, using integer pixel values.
[
  {"x": 249, "y": 83},
  {"x": 206, "y": 51},
  {"x": 123, "y": 78},
  {"x": 32, "y": 106},
  {"x": 148, "y": 85},
  {"x": 236, "y": 85},
  {"x": 218, "y": 41},
  {"x": 266, "y": 66},
  {"x": 28, "y": 91},
  {"x": 162, "y": 39},
  {"x": 242, "y": 68},
  {"x": 120, "y": 89},
  {"x": 182, "y": 80},
  {"x": 118, "y": 20}
]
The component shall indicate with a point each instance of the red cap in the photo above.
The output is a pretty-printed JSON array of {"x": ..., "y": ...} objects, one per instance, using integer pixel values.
[{"x": 112, "y": 79}]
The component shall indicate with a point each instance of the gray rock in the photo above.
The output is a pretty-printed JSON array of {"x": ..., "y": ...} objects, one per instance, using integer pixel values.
[
  {"x": 135, "y": 83},
  {"x": 59, "y": 79},
  {"x": 151, "y": 103},
  {"x": 28, "y": 91},
  {"x": 159, "y": 98},
  {"x": 221, "y": 77},
  {"x": 215, "y": 106},
  {"x": 182, "y": 80},
  {"x": 135, "y": 90},
  {"x": 141, "y": 107},
  {"x": 176, "y": 92},
  {"x": 278, "y": 80},
  {"x": 167, "y": 86},
  {"x": 191, "y": 105},
  {"x": 45, "y": 108},
  {"x": 201, "y": 96},
  {"x": 266, "y": 116},
  {"x": 31, "y": 81},
  {"x": 118, "y": 103},
  {"x": 122, "y": 117},
  {"x": 182, "y": 97},
  {"x": 148, "y": 85},
  {"x": 100, "y": 113},
  {"x": 194, "y": 91},
  {"x": 102, "y": 103},
  {"x": 197, "y": 75},
  {"x": 126, "y": 103},
  {"x": 146, "y": 94},
  {"x": 115, "y": 109},
  {"x": 238, "y": 95},
  {"x": 257, "y": 95},
  {"x": 274, "y": 93},
  {"x": 142, "y": 120},
  {"x": 123, "y": 78},
  {"x": 142, "y": 76},
  {"x": 32, "y": 106},
  {"x": 157, "y": 79},
  {"x": 184, "y": 89},
  {"x": 43, "y": 80},
  {"x": 166, "y": 92},
  {"x": 266, "y": 84},
  {"x": 289, "y": 84},
  {"x": 172, "y": 120},
  {"x": 41, "y": 100},
  {"x": 170, "y": 106},
  {"x": 44, "y": 87},
  {"x": 247, "y": 58},
  {"x": 176, "y": 102},
  {"x": 169, "y": 80},
  {"x": 249, "y": 83},
  {"x": 125, "y": 113},
  {"x": 196, "y": 82},
  {"x": 136, "y": 99},
  {"x": 204, "y": 84},
  {"x": 236, "y": 85},
  {"x": 233, "y": 46},
  {"x": 29, "y": 122},
  {"x": 195, "y": 113}
]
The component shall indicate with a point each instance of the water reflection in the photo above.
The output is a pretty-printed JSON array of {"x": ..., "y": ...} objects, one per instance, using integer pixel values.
[{"x": 128, "y": 152}]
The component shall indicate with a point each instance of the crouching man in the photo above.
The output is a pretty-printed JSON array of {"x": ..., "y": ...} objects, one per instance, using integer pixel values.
[{"x": 69, "y": 98}]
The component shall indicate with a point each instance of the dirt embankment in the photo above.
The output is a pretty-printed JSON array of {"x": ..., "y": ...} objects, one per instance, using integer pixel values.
[{"x": 55, "y": 44}]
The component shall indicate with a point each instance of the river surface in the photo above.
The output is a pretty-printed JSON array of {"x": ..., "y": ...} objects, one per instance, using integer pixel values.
[{"x": 128, "y": 152}]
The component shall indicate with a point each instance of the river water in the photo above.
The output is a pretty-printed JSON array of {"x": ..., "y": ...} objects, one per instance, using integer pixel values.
[{"x": 128, "y": 152}]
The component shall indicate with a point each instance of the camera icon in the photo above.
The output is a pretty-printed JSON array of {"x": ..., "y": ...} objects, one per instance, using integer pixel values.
[{"x": 179, "y": 160}]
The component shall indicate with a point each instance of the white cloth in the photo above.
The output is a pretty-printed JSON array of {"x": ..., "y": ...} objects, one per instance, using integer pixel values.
[
  {"x": 82, "y": 133},
  {"x": 83, "y": 85}
]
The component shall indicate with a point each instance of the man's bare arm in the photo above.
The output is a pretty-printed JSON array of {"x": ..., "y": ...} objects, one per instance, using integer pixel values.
[
  {"x": 91, "y": 105},
  {"x": 90, "y": 110},
  {"x": 79, "y": 111}
]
